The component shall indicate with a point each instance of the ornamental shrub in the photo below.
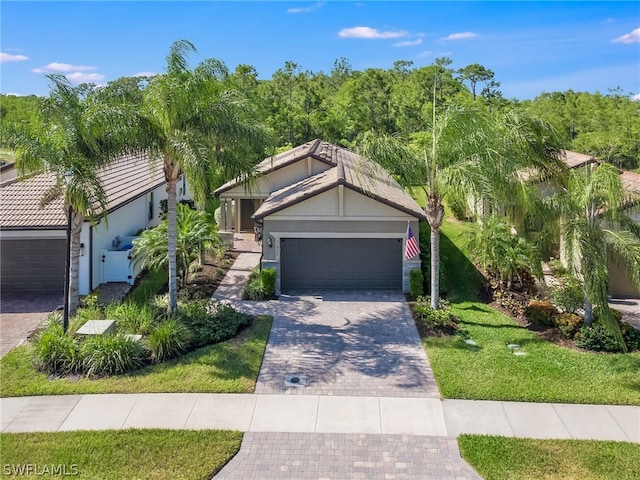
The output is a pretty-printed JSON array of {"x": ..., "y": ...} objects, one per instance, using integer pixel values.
[
  {"x": 227, "y": 321},
  {"x": 268, "y": 277},
  {"x": 254, "y": 290},
  {"x": 569, "y": 324},
  {"x": 170, "y": 338},
  {"x": 541, "y": 312},
  {"x": 416, "y": 283},
  {"x": 442, "y": 318},
  {"x": 569, "y": 295},
  {"x": 56, "y": 352},
  {"x": 597, "y": 338},
  {"x": 111, "y": 355}
]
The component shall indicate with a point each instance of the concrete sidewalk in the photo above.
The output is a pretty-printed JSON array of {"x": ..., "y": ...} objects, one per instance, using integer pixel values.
[{"x": 320, "y": 414}]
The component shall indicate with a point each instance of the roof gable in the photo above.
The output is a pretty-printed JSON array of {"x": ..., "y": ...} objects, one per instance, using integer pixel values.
[
  {"x": 316, "y": 149},
  {"x": 124, "y": 180},
  {"x": 352, "y": 171}
]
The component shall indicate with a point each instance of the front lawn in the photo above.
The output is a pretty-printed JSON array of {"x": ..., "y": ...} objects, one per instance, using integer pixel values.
[
  {"x": 546, "y": 373},
  {"x": 491, "y": 371},
  {"x": 500, "y": 458},
  {"x": 148, "y": 454},
  {"x": 227, "y": 367}
]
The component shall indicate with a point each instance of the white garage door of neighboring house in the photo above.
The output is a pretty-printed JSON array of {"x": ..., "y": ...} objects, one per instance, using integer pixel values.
[
  {"x": 32, "y": 265},
  {"x": 340, "y": 264}
]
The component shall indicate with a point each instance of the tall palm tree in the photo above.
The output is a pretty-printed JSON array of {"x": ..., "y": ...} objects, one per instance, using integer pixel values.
[
  {"x": 63, "y": 141},
  {"x": 594, "y": 226},
  {"x": 471, "y": 153},
  {"x": 198, "y": 127}
]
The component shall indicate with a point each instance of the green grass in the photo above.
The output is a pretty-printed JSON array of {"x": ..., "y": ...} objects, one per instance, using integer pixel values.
[
  {"x": 149, "y": 285},
  {"x": 227, "y": 367},
  {"x": 500, "y": 458},
  {"x": 490, "y": 371},
  {"x": 131, "y": 454},
  {"x": 547, "y": 373}
]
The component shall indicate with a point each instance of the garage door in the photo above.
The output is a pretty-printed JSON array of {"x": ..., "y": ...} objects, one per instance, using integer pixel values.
[
  {"x": 340, "y": 264},
  {"x": 32, "y": 265}
]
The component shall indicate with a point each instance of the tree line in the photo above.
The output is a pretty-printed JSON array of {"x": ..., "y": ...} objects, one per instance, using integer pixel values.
[{"x": 298, "y": 105}]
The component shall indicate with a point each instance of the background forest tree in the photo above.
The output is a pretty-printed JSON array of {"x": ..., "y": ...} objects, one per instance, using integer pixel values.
[{"x": 299, "y": 105}]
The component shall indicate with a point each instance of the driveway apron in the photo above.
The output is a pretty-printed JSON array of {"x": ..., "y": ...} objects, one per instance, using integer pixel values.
[{"x": 348, "y": 344}]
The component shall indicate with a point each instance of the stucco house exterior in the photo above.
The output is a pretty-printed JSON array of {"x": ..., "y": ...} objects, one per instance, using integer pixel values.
[
  {"x": 33, "y": 238},
  {"x": 620, "y": 285},
  {"x": 328, "y": 220}
]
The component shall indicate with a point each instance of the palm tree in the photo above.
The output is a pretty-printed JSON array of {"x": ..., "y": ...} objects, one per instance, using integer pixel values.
[
  {"x": 62, "y": 140},
  {"x": 195, "y": 233},
  {"x": 594, "y": 226},
  {"x": 472, "y": 154},
  {"x": 198, "y": 127}
]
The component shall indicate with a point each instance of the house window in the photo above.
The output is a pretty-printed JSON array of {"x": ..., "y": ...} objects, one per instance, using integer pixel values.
[{"x": 150, "y": 197}]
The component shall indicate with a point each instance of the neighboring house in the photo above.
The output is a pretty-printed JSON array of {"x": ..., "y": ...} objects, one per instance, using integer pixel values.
[
  {"x": 325, "y": 225},
  {"x": 620, "y": 284},
  {"x": 33, "y": 237}
]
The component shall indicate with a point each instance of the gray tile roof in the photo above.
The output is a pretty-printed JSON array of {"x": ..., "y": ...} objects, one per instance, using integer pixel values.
[
  {"x": 123, "y": 181},
  {"x": 351, "y": 170}
]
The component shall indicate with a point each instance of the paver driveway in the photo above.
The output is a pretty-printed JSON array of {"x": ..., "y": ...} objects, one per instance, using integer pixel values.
[
  {"x": 21, "y": 313},
  {"x": 346, "y": 345},
  {"x": 353, "y": 344}
]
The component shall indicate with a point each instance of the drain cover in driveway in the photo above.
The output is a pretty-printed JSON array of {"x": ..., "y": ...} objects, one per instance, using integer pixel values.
[{"x": 295, "y": 380}]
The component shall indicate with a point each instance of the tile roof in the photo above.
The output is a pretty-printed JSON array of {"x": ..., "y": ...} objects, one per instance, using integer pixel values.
[
  {"x": 630, "y": 181},
  {"x": 351, "y": 170},
  {"x": 317, "y": 149},
  {"x": 126, "y": 179},
  {"x": 575, "y": 159}
]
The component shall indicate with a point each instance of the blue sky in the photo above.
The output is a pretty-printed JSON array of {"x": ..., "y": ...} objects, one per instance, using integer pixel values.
[{"x": 532, "y": 47}]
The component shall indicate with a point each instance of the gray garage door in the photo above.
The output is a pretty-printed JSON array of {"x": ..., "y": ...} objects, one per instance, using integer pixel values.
[
  {"x": 340, "y": 264},
  {"x": 32, "y": 265}
]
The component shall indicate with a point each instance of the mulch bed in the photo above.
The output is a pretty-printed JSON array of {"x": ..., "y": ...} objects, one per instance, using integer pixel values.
[{"x": 203, "y": 284}]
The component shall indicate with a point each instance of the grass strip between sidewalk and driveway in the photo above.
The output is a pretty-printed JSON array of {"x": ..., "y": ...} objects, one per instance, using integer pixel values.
[
  {"x": 227, "y": 367},
  {"x": 502, "y": 458},
  {"x": 148, "y": 454}
]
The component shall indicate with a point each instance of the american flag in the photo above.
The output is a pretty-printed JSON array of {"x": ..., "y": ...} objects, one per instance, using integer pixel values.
[{"x": 412, "y": 248}]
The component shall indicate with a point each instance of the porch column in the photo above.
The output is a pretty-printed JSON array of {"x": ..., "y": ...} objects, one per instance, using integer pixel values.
[{"x": 238, "y": 207}]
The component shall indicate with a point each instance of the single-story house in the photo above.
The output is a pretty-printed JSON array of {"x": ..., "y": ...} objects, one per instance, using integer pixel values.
[
  {"x": 33, "y": 237},
  {"x": 328, "y": 219},
  {"x": 620, "y": 285}
]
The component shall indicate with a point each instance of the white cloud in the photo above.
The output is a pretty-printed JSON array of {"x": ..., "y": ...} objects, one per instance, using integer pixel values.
[
  {"x": 309, "y": 9},
  {"x": 424, "y": 54},
  {"x": 370, "y": 33},
  {"x": 6, "y": 57},
  {"x": 408, "y": 43},
  {"x": 636, "y": 98},
  {"x": 56, "y": 67},
  {"x": 633, "y": 37},
  {"x": 460, "y": 36},
  {"x": 79, "y": 77},
  {"x": 145, "y": 74}
]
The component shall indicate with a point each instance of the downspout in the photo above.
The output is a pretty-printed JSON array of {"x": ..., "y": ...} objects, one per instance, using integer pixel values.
[{"x": 90, "y": 258}]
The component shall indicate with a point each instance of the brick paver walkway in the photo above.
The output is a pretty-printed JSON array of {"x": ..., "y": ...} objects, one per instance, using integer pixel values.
[
  {"x": 351, "y": 344},
  {"x": 234, "y": 281},
  {"x": 270, "y": 456}
]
